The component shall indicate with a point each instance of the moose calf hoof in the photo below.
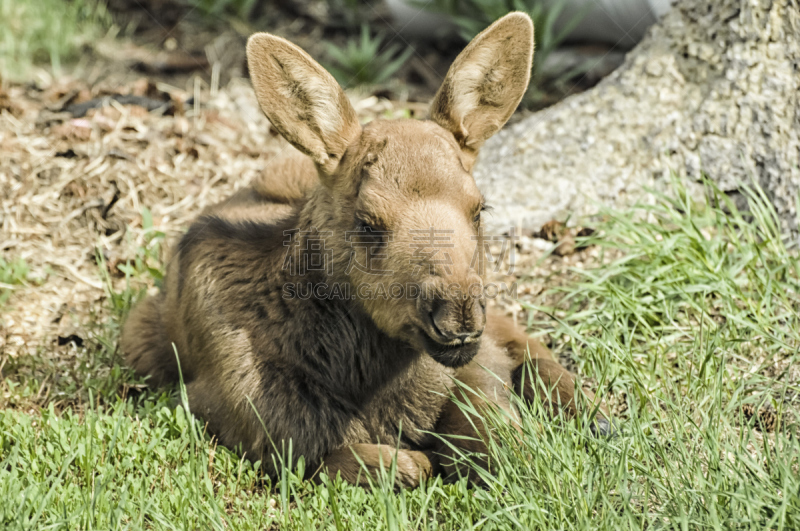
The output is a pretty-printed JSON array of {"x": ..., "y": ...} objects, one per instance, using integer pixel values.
[{"x": 604, "y": 428}]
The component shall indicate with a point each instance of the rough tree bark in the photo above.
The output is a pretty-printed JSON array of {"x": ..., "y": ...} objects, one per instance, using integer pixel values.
[{"x": 714, "y": 87}]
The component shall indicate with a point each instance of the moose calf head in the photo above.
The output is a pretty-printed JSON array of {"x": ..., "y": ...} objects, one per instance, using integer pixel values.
[{"x": 403, "y": 189}]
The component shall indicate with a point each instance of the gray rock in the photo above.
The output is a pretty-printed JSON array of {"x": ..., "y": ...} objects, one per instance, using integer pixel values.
[{"x": 714, "y": 87}]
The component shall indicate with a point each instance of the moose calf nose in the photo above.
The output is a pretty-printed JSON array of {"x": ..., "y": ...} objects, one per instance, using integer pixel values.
[{"x": 459, "y": 321}]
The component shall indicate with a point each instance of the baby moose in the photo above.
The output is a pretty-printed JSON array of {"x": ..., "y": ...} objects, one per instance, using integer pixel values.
[{"x": 352, "y": 379}]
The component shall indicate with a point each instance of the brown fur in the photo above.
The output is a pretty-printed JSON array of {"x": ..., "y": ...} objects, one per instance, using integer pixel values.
[{"x": 363, "y": 380}]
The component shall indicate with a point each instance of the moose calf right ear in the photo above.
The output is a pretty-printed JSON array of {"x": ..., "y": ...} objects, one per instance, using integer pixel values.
[
  {"x": 302, "y": 100},
  {"x": 486, "y": 83}
]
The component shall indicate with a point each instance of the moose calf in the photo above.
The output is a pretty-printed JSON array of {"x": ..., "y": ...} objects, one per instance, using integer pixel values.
[{"x": 354, "y": 379}]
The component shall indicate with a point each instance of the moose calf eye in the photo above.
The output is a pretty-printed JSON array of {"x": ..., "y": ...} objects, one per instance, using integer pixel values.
[
  {"x": 477, "y": 219},
  {"x": 484, "y": 208},
  {"x": 369, "y": 233},
  {"x": 364, "y": 226}
]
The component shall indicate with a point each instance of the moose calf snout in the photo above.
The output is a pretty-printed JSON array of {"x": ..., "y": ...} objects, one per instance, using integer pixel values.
[
  {"x": 459, "y": 321},
  {"x": 452, "y": 325}
]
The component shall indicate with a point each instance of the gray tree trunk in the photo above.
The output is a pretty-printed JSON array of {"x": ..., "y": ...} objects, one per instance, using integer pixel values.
[{"x": 714, "y": 87}]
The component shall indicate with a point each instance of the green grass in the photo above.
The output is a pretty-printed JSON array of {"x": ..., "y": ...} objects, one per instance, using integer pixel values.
[
  {"x": 690, "y": 314},
  {"x": 47, "y": 31}
]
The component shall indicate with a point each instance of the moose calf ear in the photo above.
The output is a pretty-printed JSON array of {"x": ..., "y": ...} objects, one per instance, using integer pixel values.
[
  {"x": 486, "y": 82},
  {"x": 302, "y": 100}
]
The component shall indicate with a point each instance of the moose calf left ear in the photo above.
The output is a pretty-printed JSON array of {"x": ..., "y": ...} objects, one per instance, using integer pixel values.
[
  {"x": 302, "y": 100},
  {"x": 486, "y": 83}
]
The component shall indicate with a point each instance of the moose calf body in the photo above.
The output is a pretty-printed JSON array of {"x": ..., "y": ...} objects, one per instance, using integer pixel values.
[{"x": 349, "y": 378}]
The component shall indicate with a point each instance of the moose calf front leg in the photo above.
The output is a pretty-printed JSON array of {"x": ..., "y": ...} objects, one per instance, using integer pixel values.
[
  {"x": 360, "y": 463},
  {"x": 482, "y": 385},
  {"x": 537, "y": 374}
]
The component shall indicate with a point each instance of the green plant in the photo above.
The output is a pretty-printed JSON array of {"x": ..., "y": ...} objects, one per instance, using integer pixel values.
[
  {"x": 47, "y": 31},
  {"x": 145, "y": 267},
  {"x": 361, "y": 61},
  {"x": 12, "y": 273},
  {"x": 148, "y": 259}
]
